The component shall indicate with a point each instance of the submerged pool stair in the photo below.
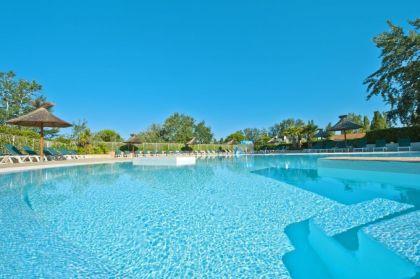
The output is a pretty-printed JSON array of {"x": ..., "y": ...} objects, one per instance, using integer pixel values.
[{"x": 378, "y": 238}]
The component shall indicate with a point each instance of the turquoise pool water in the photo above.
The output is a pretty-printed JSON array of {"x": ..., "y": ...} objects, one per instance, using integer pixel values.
[{"x": 258, "y": 216}]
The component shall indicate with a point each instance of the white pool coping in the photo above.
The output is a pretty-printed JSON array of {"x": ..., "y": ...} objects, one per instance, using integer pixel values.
[
  {"x": 13, "y": 168},
  {"x": 169, "y": 161}
]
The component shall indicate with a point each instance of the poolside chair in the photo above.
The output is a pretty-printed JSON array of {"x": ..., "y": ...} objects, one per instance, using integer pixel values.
[
  {"x": 341, "y": 146},
  {"x": 360, "y": 144},
  {"x": 118, "y": 153},
  {"x": 329, "y": 146},
  {"x": 66, "y": 153},
  {"x": 31, "y": 152},
  {"x": 126, "y": 154},
  {"x": 14, "y": 153},
  {"x": 59, "y": 152},
  {"x": 52, "y": 154},
  {"x": 381, "y": 145},
  {"x": 5, "y": 158},
  {"x": 404, "y": 143},
  {"x": 316, "y": 147}
]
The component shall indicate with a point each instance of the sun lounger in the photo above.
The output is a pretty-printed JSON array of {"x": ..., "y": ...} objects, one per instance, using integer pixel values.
[
  {"x": 67, "y": 153},
  {"x": 5, "y": 158},
  {"x": 52, "y": 154},
  {"x": 31, "y": 152},
  {"x": 360, "y": 145},
  {"x": 329, "y": 146},
  {"x": 15, "y": 153},
  {"x": 316, "y": 147},
  {"x": 118, "y": 153},
  {"x": 59, "y": 152},
  {"x": 340, "y": 147},
  {"x": 380, "y": 145},
  {"x": 404, "y": 143}
]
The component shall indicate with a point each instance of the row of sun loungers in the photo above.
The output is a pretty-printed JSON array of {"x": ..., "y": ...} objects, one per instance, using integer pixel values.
[
  {"x": 15, "y": 155},
  {"x": 358, "y": 146},
  {"x": 198, "y": 153}
]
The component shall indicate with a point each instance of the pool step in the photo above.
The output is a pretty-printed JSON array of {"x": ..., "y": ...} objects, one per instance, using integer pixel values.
[
  {"x": 322, "y": 243},
  {"x": 400, "y": 234},
  {"x": 344, "y": 218}
]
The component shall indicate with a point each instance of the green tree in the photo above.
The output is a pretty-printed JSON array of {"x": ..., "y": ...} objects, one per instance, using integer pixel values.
[
  {"x": 107, "y": 135},
  {"x": 236, "y": 137},
  {"x": 178, "y": 128},
  {"x": 252, "y": 134},
  {"x": 78, "y": 128},
  {"x": 379, "y": 121},
  {"x": 366, "y": 124},
  {"x": 293, "y": 129},
  {"x": 309, "y": 132},
  {"x": 16, "y": 95},
  {"x": 328, "y": 130},
  {"x": 203, "y": 133},
  {"x": 397, "y": 80},
  {"x": 154, "y": 133}
]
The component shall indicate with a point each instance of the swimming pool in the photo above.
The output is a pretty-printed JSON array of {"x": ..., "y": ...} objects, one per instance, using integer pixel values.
[{"x": 251, "y": 216}]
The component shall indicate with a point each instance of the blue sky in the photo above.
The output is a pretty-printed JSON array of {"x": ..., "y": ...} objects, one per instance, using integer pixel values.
[{"x": 234, "y": 64}]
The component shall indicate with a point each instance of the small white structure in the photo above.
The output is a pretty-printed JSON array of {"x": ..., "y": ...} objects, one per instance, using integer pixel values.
[{"x": 170, "y": 161}]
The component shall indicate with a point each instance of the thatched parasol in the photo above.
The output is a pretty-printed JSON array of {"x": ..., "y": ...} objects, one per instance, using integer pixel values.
[
  {"x": 272, "y": 140},
  {"x": 192, "y": 141},
  {"x": 133, "y": 140},
  {"x": 230, "y": 142},
  {"x": 40, "y": 118},
  {"x": 345, "y": 125}
]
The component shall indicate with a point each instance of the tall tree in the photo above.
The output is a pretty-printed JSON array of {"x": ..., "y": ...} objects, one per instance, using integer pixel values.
[
  {"x": 16, "y": 95},
  {"x": 203, "y": 133},
  {"x": 366, "y": 124},
  {"x": 107, "y": 135},
  {"x": 279, "y": 129},
  {"x": 398, "y": 78},
  {"x": 309, "y": 132},
  {"x": 293, "y": 129},
  {"x": 252, "y": 134},
  {"x": 154, "y": 133},
  {"x": 355, "y": 118},
  {"x": 236, "y": 137},
  {"x": 178, "y": 128},
  {"x": 379, "y": 121}
]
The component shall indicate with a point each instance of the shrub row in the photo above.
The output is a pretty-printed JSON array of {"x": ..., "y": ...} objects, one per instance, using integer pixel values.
[{"x": 393, "y": 134}]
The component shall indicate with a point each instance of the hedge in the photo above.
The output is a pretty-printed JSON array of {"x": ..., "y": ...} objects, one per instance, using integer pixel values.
[{"x": 393, "y": 134}]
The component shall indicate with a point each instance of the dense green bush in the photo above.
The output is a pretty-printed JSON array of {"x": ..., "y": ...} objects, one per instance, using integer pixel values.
[
  {"x": 19, "y": 131},
  {"x": 393, "y": 134},
  {"x": 261, "y": 147}
]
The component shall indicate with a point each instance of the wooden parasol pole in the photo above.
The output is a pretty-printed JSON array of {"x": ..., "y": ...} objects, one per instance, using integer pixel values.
[
  {"x": 345, "y": 138},
  {"x": 41, "y": 143}
]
